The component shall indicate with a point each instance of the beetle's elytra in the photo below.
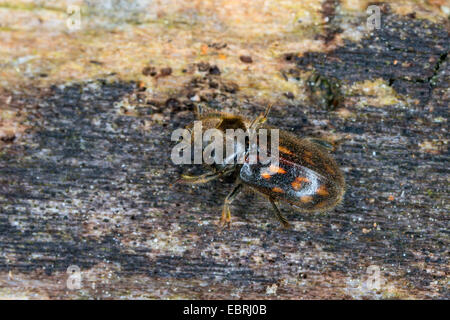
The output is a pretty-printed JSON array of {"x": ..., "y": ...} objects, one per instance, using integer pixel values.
[{"x": 306, "y": 176}]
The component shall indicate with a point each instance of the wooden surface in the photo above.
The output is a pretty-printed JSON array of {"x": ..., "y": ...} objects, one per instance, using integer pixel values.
[{"x": 87, "y": 182}]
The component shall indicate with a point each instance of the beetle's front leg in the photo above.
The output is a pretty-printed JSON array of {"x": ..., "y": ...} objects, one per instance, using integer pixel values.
[
  {"x": 203, "y": 178},
  {"x": 226, "y": 213}
]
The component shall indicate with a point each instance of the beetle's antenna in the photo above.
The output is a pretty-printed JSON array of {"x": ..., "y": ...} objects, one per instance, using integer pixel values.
[
  {"x": 266, "y": 112},
  {"x": 262, "y": 118}
]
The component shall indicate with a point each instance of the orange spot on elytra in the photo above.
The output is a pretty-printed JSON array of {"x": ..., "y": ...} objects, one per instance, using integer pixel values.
[
  {"x": 266, "y": 175},
  {"x": 322, "y": 190},
  {"x": 278, "y": 190},
  {"x": 284, "y": 150},
  {"x": 275, "y": 169},
  {"x": 306, "y": 199},
  {"x": 391, "y": 198},
  {"x": 297, "y": 183}
]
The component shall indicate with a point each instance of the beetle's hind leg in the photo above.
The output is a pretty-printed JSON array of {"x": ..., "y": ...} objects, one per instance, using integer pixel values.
[
  {"x": 279, "y": 216},
  {"x": 226, "y": 213}
]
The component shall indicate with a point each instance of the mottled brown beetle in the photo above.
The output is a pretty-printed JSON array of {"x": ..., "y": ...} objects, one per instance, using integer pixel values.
[{"x": 307, "y": 177}]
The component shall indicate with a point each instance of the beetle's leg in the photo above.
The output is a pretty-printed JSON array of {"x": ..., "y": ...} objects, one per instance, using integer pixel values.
[
  {"x": 226, "y": 213},
  {"x": 203, "y": 178},
  {"x": 279, "y": 216},
  {"x": 261, "y": 119},
  {"x": 324, "y": 144}
]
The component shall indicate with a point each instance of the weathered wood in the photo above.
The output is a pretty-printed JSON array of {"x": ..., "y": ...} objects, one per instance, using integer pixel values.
[{"x": 91, "y": 185}]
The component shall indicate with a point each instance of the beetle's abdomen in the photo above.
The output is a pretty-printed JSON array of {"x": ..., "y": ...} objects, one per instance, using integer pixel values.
[{"x": 306, "y": 176}]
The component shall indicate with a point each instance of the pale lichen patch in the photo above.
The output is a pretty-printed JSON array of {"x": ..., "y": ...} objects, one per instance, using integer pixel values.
[
  {"x": 433, "y": 146},
  {"x": 375, "y": 93}
]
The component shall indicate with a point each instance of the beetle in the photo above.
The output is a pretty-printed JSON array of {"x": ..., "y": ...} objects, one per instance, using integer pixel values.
[{"x": 306, "y": 176}]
